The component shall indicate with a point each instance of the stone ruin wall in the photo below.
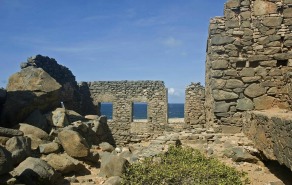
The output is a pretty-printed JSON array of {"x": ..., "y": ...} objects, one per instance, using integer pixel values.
[
  {"x": 248, "y": 72},
  {"x": 248, "y": 55},
  {"x": 123, "y": 94},
  {"x": 194, "y": 113}
]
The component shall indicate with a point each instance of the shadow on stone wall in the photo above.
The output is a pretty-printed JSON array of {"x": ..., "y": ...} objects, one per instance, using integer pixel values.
[{"x": 86, "y": 102}]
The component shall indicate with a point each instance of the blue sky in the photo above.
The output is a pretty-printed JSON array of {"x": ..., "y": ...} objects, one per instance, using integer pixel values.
[{"x": 111, "y": 39}]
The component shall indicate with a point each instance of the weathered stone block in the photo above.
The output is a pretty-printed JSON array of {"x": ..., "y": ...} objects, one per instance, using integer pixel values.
[
  {"x": 220, "y": 64},
  {"x": 224, "y": 95},
  {"x": 270, "y": 63},
  {"x": 262, "y": 7},
  {"x": 255, "y": 58},
  {"x": 283, "y": 56},
  {"x": 287, "y": 12},
  {"x": 251, "y": 79},
  {"x": 218, "y": 83},
  {"x": 245, "y": 104},
  {"x": 254, "y": 90},
  {"x": 247, "y": 72},
  {"x": 234, "y": 83},
  {"x": 221, "y": 106},
  {"x": 233, "y": 3},
  {"x": 264, "y": 102},
  {"x": 272, "y": 21},
  {"x": 221, "y": 40},
  {"x": 233, "y": 23}
]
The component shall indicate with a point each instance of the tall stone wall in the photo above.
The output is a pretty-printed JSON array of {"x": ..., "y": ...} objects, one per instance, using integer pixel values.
[
  {"x": 248, "y": 53},
  {"x": 123, "y": 94},
  {"x": 194, "y": 105}
]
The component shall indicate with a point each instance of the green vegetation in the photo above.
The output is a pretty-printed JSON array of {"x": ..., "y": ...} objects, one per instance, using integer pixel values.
[{"x": 182, "y": 166}]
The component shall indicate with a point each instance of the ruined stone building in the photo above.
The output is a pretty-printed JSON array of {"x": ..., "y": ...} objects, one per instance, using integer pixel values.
[
  {"x": 248, "y": 68},
  {"x": 122, "y": 95}
]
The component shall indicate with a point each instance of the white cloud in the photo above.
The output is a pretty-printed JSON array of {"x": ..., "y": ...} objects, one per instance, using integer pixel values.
[
  {"x": 172, "y": 42},
  {"x": 173, "y": 92}
]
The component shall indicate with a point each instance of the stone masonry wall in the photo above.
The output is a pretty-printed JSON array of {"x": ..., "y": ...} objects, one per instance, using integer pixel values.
[
  {"x": 194, "y": 105},
  {"x": 248, "y": 55},
  {"x": 123, "y": 94},
  {"x": 271, "y": 133}
]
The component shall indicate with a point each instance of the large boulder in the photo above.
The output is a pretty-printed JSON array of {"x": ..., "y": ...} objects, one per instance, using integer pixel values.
[
  {"x": 35, "y": 171},
  {"x": 73, "y": 143},
  {"x": 63, "y": 163},
  {"x": 32, "y": 130},
  {"x": 5, "y": 161},
  {"x": 20, "y": 148},
  {"x": 30, "y": 89},
  {"x": 112, "y": 165},
  {"x": 42, "y": 84}
]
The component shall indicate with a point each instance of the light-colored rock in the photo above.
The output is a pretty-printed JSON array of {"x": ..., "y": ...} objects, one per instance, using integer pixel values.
[
  {"x": 254, "y": 90},
  {"x": 32, "y": 130},
  {"x": 112, "y": 165},
  {"x": 245, "y": 104},
  {"x": 106, "y": 147},
  {"x": 92, "y": 117},
  {"x": 49, "y": 148},
  {"x": 264, "y": 102},
  {"x": 63, "y": 163},
  {"x": 73, "y": 143},
  {"x": 262, "y": 7},
  {"x": 115, "y": 180},
  {"x": 224, "y": 95},
  {"x": 59, "y": 118}
]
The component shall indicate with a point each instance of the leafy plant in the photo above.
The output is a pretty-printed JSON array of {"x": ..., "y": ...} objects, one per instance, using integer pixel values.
[{"x": 182, "y": 166}]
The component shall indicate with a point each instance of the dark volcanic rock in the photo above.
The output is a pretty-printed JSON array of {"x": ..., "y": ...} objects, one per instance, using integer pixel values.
[
  {"x": 5, "y": 161},
  {"x": 20, "y": 148},
  {"x": 7, "y": 132}
]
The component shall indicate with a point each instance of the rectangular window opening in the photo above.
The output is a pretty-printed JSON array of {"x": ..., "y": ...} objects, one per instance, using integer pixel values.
[
  {"x": 139, "y": 112},
  {"x": 240, "y": 64},
  {"x": 106, "y": 109},
  {"x": 282, "y": 63},
  {"x": 254, "y": 64}
]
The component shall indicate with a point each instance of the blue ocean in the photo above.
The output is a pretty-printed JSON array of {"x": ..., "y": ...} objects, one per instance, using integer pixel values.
[{"x": 175, "y": 110}]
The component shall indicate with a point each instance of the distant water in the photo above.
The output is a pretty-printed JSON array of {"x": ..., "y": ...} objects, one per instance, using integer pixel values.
[{"x": 175, "y": 110}]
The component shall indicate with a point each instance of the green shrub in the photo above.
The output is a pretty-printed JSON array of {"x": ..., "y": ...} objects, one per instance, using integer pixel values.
[{"x": 182, "y": 166}]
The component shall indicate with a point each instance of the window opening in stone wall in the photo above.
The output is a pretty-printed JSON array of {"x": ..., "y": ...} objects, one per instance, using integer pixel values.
[
  {"x": 139, "y": 111},
  {"x": 282, "y": 63},
  {"x": 106, "y": 108},
  {"x": 254, "y": 64},
  {"x": 176, "y": 110},
  {"x": 240, "y": 64}
]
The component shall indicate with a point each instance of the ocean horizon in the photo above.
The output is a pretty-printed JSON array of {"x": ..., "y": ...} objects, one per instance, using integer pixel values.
[{"x": 175, "y": 110}]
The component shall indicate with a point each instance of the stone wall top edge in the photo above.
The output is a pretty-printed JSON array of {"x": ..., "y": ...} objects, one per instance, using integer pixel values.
[{"x": 126, "y": 82}]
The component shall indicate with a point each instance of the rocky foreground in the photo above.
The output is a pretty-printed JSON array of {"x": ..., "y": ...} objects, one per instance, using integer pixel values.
[{"x": 75, "y": 151}]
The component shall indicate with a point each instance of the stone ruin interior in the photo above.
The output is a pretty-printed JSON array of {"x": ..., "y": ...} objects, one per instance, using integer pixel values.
[{"x": 247, "y": 86}]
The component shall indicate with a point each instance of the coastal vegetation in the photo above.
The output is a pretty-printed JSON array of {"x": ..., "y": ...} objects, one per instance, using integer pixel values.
[{"x": 182, "y": 165}]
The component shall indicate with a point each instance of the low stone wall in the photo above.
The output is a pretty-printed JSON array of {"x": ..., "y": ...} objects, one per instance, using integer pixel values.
[
  {"x": 194, "y": 105},
  {"x": 123, "y": 94},
  {"x": 271, "y": 132}
]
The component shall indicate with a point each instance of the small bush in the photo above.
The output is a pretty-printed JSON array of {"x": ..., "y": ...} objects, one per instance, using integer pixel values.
[{"x": 182, "y": 166}]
